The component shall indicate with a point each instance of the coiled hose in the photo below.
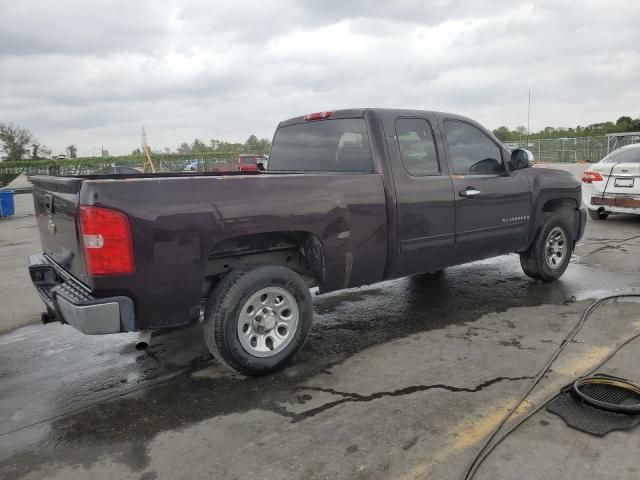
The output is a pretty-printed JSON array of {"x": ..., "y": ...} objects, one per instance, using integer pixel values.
[{"x": 489, "y": 444}]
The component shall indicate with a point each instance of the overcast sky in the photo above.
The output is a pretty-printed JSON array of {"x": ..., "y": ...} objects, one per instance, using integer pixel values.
[{"x": 95, "y": 72}]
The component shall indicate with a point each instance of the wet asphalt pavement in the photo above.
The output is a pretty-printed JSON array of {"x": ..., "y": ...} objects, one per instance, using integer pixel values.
[{"x": 398, "y": 380}]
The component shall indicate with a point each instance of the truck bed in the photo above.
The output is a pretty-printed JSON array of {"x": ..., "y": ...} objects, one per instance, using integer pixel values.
[{"x": 179, "y": 222}]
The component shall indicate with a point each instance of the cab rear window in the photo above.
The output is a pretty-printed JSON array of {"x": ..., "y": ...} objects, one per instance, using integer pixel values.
[{"x": 339, "y": 145}]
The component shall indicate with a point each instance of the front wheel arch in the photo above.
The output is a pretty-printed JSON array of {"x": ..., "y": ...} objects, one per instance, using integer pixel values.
[{"x": 567, "y": 206}]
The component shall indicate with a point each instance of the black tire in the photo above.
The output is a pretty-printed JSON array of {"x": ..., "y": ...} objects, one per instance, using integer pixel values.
[
  {"x": 598, "y": 214},
  {"x": 534, "y": 261},
  {"x": 222, "y": 315}
]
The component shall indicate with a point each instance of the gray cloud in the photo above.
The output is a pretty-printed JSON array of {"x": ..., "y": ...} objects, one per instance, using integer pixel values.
[{"x": 94, "y": 73}]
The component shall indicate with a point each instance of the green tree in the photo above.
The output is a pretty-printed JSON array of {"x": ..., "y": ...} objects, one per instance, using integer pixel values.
[
  {"x": 257, "y": 145},
  {"x": 136, "y": 152},
  {"x": 72, "y": 151},
  {"x": 264, "y": 145},
  {"x": 251, "y": 144},
  {"x": 14, "y": 141},
  {"x": 503, "y": 133},
  {"x": 44, "y": 151},
  {"x": 198, "y": 146},
  {"x": 623, "y": 124},
  {"x": 520, "y": 133},
  {"x": 35, "y": 149}
]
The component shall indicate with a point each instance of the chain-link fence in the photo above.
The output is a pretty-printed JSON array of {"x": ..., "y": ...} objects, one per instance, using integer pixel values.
[
  {"x": 571, "y": 150},
  {"x": 99, "y": 165}
]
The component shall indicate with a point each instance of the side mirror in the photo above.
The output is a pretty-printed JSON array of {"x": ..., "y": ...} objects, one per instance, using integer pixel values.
[{"x": 521, "y": 158}]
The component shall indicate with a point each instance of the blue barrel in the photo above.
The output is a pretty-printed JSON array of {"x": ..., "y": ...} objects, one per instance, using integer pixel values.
[{"x": 7, "y": 207}]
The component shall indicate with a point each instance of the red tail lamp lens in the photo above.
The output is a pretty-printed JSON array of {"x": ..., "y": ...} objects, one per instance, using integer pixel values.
[
  {"x": 106, "y": 238},
  {"x": 590, "y": 177}
]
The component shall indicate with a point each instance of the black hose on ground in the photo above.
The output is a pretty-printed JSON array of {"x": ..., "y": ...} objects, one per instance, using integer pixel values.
[
  {"x": 487, "y": 446},
  {"x": 606, "y": 392}
]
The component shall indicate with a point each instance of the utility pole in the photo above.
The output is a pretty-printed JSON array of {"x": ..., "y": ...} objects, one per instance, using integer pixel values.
[
  {"x": 144, "y": 139},
  {"x": 528, "y": 117},
  {"x": 147, "y": 151}
]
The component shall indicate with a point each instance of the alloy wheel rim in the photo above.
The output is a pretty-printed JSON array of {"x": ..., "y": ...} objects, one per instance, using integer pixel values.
[
  {"x": 268, "y": 321},
  {"x": 556, "y": 248}
]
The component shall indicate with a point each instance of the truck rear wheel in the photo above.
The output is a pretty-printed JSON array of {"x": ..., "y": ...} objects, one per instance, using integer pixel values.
[
  {"x": 257, "y": 318},
  {"x": 549, "y": 255}
]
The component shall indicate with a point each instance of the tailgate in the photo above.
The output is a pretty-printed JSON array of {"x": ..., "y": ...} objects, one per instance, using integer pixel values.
[
  {"x": 624, "y": 179},
  {"x": 56, "y": 207}
]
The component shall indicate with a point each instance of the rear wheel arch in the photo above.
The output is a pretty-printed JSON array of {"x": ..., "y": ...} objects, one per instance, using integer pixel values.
[{"x": 301, "y": 251}]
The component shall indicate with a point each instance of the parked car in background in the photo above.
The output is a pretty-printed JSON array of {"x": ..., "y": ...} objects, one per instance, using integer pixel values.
[
  {"x": 613, "y": 184},
  {"x": 246, "y": 162},
  {"x": 250, "y": 162},
  {"x": 191, "y": 167},
  {"x": 350, "y": 198}
]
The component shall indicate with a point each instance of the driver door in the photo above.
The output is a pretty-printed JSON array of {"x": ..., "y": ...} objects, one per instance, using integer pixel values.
[{"x": 493, "y": 205}]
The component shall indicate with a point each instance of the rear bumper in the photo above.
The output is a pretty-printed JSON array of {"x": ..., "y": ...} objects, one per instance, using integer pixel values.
[
  {"x": 617, "y": 204},
  {"x": 72, "y": 302}
]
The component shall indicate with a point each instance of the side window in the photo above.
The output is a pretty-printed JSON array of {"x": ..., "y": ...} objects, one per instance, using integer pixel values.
[
  {"x": 417, "y": 147},
  {"x": 472, "y": 152}
]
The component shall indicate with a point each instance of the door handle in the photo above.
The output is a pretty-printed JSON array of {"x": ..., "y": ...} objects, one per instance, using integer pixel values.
[{"x": 469, "y": 193}]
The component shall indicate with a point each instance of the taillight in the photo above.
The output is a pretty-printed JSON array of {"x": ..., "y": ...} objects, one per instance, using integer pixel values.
[
  {"x": 317, "y": 116},
  {"x": 590, "y": 177},
  {"x": 106, "y": 238}
]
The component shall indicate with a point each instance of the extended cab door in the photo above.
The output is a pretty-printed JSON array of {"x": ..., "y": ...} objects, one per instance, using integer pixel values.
[
  {"x": 493, "y": 205},
  {"x": 424, "y": 193}
]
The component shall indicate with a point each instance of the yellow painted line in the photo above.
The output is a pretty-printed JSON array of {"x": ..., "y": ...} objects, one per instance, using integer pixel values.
[
  {"x": 466, "y": 434},
  {"x": 583, "y": 362},
  {"x": 470, "y": 432}
]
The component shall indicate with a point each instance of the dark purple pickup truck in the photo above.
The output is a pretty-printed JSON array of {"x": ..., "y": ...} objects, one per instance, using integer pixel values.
[{"x": 349, "y": 198}]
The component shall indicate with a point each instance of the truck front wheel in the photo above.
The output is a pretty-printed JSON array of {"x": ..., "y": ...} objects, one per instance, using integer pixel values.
[
  {"x": 257, "y": 318},
  {"x": 550, "y": 253}
]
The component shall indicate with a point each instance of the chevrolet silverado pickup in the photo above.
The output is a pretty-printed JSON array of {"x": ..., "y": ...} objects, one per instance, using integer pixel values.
[{"x": 349, "y": 198}]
